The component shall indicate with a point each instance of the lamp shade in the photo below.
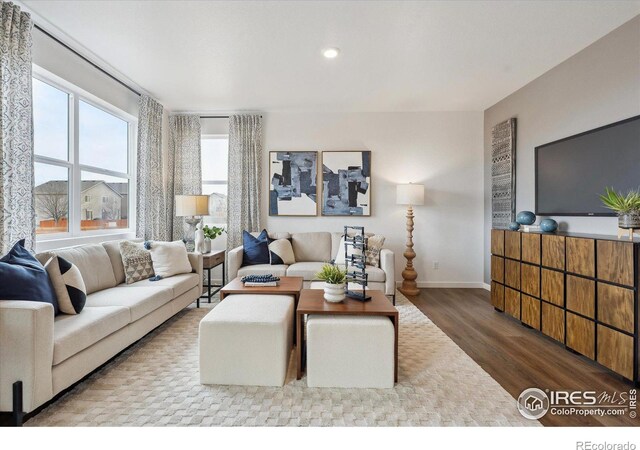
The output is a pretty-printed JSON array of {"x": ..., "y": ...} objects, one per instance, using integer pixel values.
[
  {"x": 410, "y": 194},
  {"x": 192, "y": 205}
]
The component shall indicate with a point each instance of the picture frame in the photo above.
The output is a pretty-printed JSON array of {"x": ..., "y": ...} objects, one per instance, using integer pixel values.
[
  {"x": 293, "y": 183},
  {"x": 346, "y": 183}
]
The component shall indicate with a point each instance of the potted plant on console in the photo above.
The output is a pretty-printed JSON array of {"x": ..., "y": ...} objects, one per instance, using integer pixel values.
[
  {"x": 626, "y": 206},
  {"x": 334, "y": 282},
  {"x": 210, "y": 233}
]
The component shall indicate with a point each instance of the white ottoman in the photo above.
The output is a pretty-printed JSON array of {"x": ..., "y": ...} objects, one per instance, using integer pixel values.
[
  {"x": 350, "y": 351},
  {"x": 247, "y": 340}
]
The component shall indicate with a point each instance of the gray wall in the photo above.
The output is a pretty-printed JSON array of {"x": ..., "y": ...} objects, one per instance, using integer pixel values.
[{"x": 597, "y": 86}]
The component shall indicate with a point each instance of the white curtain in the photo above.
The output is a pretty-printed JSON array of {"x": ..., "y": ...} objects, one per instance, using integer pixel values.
[
  {"x": 17, "y": 208},
  {"x": 185, "y": 171},
  {"x": 152, "y": 220},
  {"x": 245, "y": 177}
]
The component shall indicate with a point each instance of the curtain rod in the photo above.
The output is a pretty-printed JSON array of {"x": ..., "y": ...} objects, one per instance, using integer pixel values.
[
  {"x": 218, "y": 117},
  {"x": 75, "y": 52}
]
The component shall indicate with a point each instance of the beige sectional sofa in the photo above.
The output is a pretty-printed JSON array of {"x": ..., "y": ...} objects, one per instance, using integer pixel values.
[
  {"x": 311, "y": 251},
  {"x": 48, "y": 354}
]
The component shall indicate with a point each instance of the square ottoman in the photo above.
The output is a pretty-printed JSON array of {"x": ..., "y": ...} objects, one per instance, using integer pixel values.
[
  {"x": 350, "y": 351},
  {"x": 247, "y": 340}
]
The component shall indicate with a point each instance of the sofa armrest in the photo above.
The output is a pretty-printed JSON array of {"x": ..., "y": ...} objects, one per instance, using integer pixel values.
[
  {"x": 234, "y": 262},
  {"x": 195, "y": 259},
  {"x": 388, "y": 264},
  {"x": 26, "y": 352}
]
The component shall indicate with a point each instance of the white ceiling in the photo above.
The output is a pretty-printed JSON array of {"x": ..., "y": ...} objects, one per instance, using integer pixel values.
[{"x": 395, "y": 56}]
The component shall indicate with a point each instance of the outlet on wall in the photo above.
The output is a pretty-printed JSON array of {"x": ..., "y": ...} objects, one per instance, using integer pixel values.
[{"x": 436, "y": 265}]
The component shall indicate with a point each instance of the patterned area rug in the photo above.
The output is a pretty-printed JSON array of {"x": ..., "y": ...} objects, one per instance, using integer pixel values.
[{"x": 155, "y": 383}]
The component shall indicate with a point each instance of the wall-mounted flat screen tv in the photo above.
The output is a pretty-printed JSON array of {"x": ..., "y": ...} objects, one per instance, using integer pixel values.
[{"x": 572, "y": 172}]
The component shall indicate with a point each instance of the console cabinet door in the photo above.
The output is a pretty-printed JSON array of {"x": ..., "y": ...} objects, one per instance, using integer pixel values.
[
  {"x": 553, "y": 251},
  {"x": 615, "y": 351},
  {"x": 497, "y": 269},
  {"x": 530, "y": 279},
  {"x": 581, "y": 295},
  {"x": 531, "y": 311},
  {"x": 512, "y": 302},
  {"x": 553, "y": 286},
  {"x": 581, "y": 335},
  {"x": 615, "y": 306},
  {"x": 581, "y": 256},
  {"x": 553, "y": 321},
  {"x": 615, "y": 262},
  {"x": 512, "y": 273},
  {"x": 531, "y": 248},
  {"x": 512, "y": 244},
  {"x": 497, "y": 242},
  {"x": 497, "y": 296}
]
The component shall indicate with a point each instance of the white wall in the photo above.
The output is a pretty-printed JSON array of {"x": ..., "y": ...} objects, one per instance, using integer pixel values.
[
  {"x": 441, "y": 150},
  {"x": 597, "y": 86}
]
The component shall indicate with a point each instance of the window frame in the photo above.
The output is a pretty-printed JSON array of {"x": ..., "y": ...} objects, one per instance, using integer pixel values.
[
  {"x": 217, "y": 182},
  {"x": 75, "y": 169}
]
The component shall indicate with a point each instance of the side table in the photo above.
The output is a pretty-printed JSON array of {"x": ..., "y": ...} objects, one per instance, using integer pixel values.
[{"x": 210, "y": 261}]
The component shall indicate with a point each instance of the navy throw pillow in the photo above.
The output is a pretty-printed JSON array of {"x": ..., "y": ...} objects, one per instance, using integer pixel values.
[
  {"x": 255, "y": 249},
  {"x": 22, "y": 277}
]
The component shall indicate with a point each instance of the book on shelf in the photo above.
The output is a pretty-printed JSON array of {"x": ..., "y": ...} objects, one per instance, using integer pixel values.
[{"x": 257, "y": 284}]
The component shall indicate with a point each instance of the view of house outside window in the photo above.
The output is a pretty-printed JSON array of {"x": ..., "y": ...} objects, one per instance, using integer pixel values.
[{"x": 215, "y": 160}]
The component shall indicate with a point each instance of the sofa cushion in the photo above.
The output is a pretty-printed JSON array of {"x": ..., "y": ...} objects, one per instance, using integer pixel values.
[
  {"x": 255, "y": 250},
  {"x": 312, "y": 247},
  {"x": 263, "y": 269},
  {"x": 376, "y": 274},
  {"x": 113, "y": 250},
  {"x": 68, "y": 285},
  {"x": 306, "y": 270},
  {"x": 179, "y": 284},
  {"x": 94, "y": 265},
  {"x": 139, "y": 300},
  {"x": 169, "y": 258},
  {"x": 281, "y": 251},
  {"x": 72, "y": 334},
  {"x": 136, "y": 261},
  {"x": 22, "y": 277}
]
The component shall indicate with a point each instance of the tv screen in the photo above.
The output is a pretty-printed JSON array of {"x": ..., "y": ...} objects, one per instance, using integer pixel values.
[{"x": 572, "y": 172}]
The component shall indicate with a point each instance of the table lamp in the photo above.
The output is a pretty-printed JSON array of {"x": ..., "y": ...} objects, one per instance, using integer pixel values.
[
  {"x": 410, "y": 195},
  {"x": 192, "y": 208}
]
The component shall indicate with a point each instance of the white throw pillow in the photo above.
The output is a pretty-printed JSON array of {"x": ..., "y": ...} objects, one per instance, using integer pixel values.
[
  {"x": 169, "y": 258},
  {"x": 339, "y": 258},
  {"x": 281, "y": 252}
]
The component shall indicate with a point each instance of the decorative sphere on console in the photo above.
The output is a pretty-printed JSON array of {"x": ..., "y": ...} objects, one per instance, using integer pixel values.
[
  {"x": 526, "y": 218},
  {"x": 548, "y": 225}
]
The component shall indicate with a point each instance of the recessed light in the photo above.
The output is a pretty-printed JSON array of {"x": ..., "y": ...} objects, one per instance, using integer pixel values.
[{"x": 331, "y": 52}]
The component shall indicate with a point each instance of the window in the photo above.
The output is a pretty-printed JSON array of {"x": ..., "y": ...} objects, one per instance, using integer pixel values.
[
  {"x": 83, "y": 180},
  {"x": 215, "y": 161}
]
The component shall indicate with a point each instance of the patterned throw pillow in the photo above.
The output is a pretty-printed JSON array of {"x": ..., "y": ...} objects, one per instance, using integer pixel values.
[
  {"x": 374, "y": 245},
  {"x": 67, "y": 283},
  {"x": 281, "y": 251},
  {"x": 137, "y": 262}
]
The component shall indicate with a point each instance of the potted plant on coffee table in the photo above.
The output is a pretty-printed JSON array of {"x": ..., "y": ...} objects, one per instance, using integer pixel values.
[
  {"x": 210, "y": 233},
  {"x": 626, "y": 206},
  {"x": 334, "y": 282}
]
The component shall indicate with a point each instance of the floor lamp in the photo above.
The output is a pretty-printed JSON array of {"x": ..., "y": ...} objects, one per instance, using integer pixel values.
[{"x": 410, "y": 195}]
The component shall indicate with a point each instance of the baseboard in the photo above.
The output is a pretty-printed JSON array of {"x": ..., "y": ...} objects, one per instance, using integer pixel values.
[
  {"x": 449, "y": 284},
  {"x": 486, "y": 286}
]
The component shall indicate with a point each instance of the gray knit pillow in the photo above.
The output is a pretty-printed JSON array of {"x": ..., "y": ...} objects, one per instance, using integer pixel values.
[{"x": 137, "y": 262}]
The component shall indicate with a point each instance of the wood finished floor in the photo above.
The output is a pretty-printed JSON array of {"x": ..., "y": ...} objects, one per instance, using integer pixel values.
[{"x": 517, "y": 357}]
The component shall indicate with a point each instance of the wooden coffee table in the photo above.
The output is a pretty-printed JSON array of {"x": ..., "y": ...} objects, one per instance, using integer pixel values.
[
  {"x": 287, "y": 286},
  {"x": 312, "y": 302}
]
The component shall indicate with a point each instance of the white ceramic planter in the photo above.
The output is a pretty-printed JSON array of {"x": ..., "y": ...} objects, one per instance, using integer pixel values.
[
  {"x": 207, "y": 245},
  {"x": 334, "y": 293}
]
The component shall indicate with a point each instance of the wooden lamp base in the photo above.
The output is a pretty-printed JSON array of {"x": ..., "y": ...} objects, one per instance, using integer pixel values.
[{"x": 409, "y": 275}]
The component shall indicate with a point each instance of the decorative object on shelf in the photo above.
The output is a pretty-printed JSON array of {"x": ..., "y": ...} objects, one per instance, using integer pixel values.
[
  {"x": 531, "y": 228},
  {"x": 410, "y": 195},
  {"x": 294, "y": 183},
  {"x": 548, "y": 225},
  {"x": 514, "y": 226},
  {"x": 192, "y": 207},
  {"x": 627, "y": 207},
  {"x": 356, "y": 259},
  {"x": 526, "y": 218},
  {"x": 267, "y": 280},
  {"x": 210, "y": 233},
  {"x": 346, "y": 183},
  {"x": 334, "y": 282},
  {"x": 199, "y": 239},
  {"x": 503, "y": 173}
]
